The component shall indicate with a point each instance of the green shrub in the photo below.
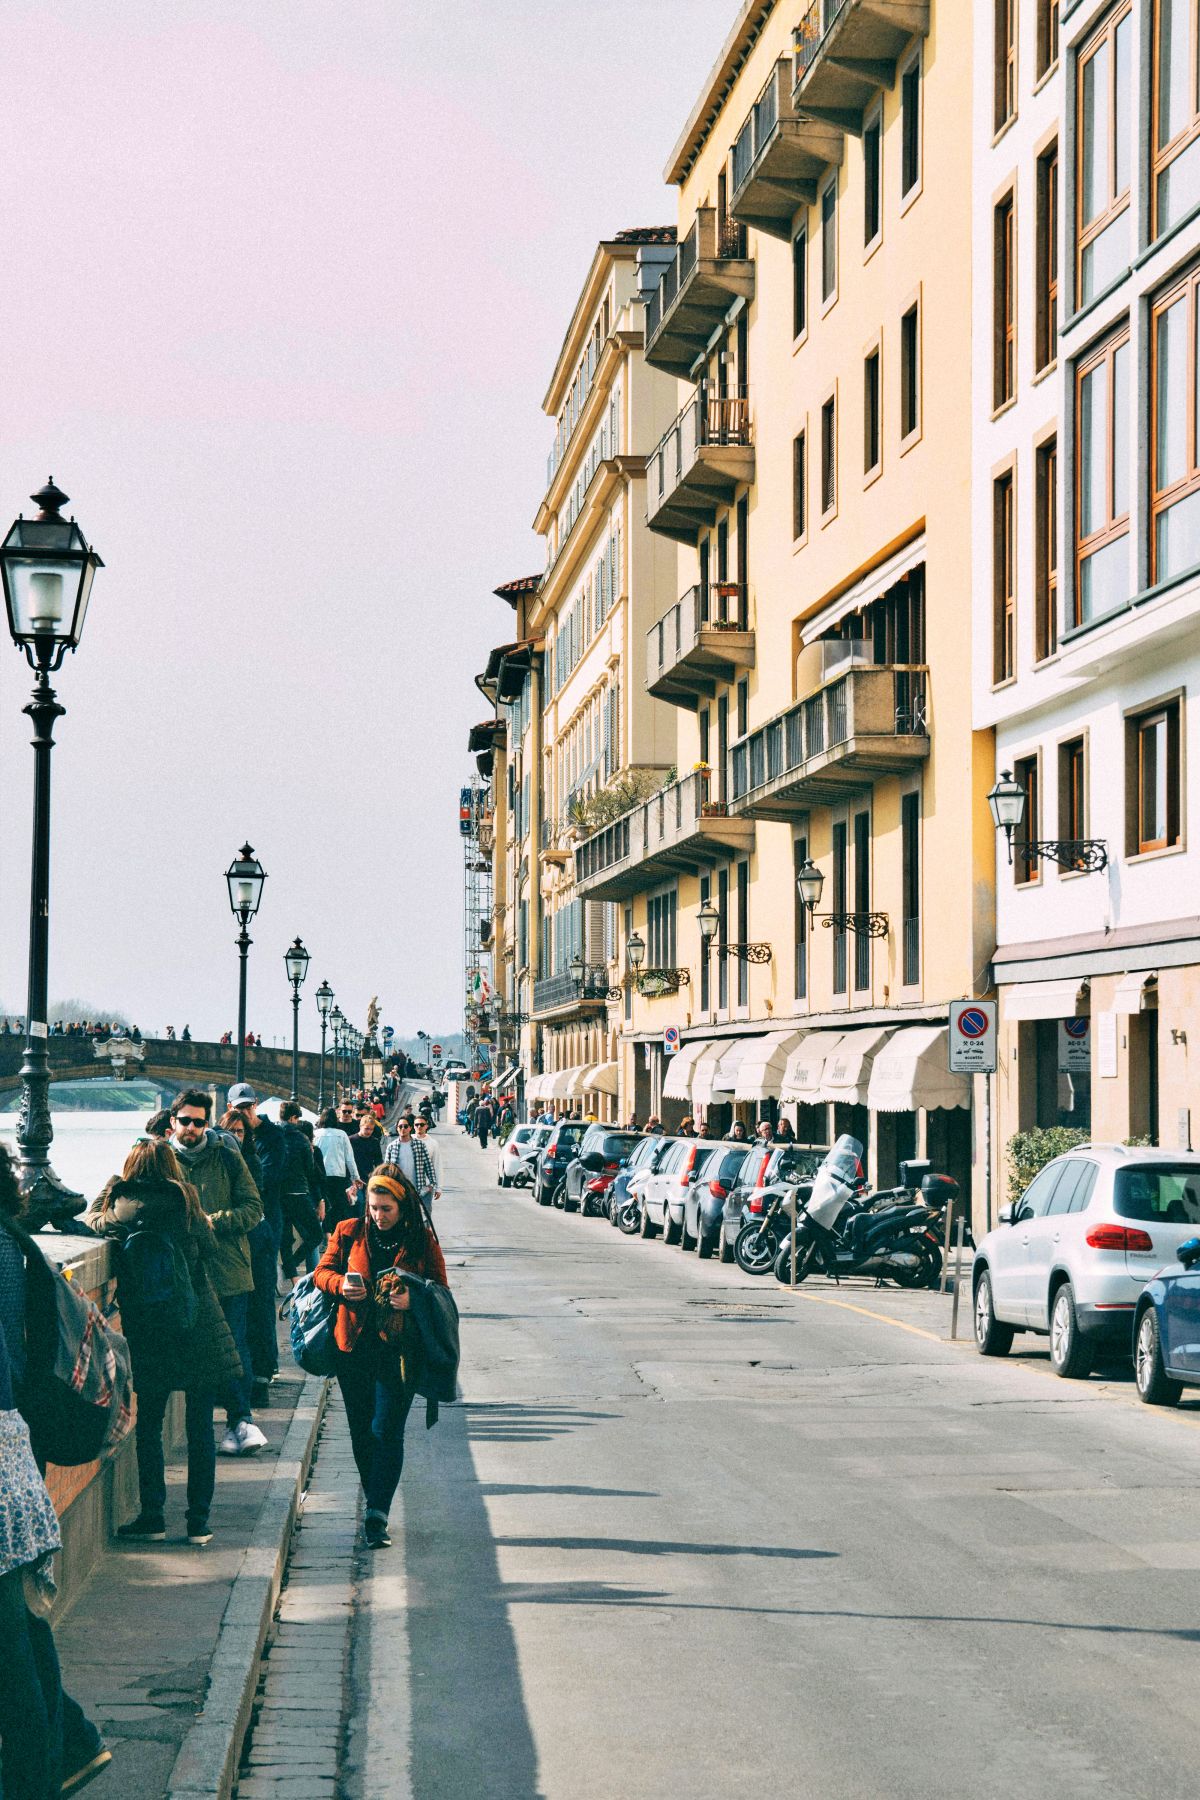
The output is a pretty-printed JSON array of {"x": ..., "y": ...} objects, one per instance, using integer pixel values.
[{"x": 1029, "y": 1151}]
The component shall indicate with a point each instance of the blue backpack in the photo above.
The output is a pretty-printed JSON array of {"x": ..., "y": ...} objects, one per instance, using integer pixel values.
[
  {"x": 155, "y": 1289},
  {"x": 313, "y": 1312}
]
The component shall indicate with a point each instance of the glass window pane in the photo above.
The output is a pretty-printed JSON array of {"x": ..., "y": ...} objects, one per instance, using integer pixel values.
[
  {"x": 1123, "y": 85},
  {"x": 1120, "y": 432},
  {"x": 1093, "y": 418},
  {"x": 1174, "y": 87},
  {"x": 1094, "y": 106},
  {"x": 1179, "y": 186},
  {"x": 1104, "y": 580},
  {"x": 1170, "y": 400},
  {"x": 1106, "y": 257},
  {"x": 1177, "y": 538}
]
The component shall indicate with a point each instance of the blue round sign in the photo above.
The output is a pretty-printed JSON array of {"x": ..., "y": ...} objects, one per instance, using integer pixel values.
[
  {"x": 388, "y": 1034},
  {"x": 1076, "y": 1028},
  {"x": 972, "y": 1023}
]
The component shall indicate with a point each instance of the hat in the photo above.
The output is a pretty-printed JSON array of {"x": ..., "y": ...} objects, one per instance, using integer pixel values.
[{"x": 242, "y": 1094}]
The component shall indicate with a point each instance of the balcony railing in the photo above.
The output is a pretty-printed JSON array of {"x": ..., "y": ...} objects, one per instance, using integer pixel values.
[
  {"x": 778, "y": 157},
  {"x": 844, "y": 51},
  {"x": 699, "y": 463},
  {"x": 554, "y": 992},
  {"x": 865, "y": 724},
  {"x": 708, "y": 271},
  {"x": 702, "y": 640},
  {"x": 679, "y": 828}
]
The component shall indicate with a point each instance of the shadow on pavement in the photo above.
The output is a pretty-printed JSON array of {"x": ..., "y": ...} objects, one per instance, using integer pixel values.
[
  {"x": 517, "y": 1424},
  {"x": 655, "y": 1547},
  {"x": 496, "y": 1490}
]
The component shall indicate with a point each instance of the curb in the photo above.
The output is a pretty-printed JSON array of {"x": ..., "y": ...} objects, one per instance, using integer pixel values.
[{"x": 207, "y": 1763}]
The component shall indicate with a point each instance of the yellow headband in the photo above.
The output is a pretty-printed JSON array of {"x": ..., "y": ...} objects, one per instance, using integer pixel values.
[{"x": 395, "y": 1185}]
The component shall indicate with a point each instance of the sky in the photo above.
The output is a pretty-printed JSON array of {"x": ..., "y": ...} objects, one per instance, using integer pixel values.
[{"x": 283, "y": 291}]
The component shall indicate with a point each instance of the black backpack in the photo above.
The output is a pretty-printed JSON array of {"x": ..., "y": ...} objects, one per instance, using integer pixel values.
[{"x": 154, "y": 1284}]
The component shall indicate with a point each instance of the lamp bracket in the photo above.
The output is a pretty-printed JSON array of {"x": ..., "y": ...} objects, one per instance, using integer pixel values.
[
  {"x": 751, "y": 953},
  {"x": 861, "y": 924},
  {"x": 1078, "y": 855}
]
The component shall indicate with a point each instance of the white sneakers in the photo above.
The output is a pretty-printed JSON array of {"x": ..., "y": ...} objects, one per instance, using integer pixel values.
[{"x": 241, "y": 1440}]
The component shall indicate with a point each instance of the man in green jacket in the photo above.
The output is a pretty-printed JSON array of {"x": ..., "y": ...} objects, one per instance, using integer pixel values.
[{"x": 230, "y": 1198}]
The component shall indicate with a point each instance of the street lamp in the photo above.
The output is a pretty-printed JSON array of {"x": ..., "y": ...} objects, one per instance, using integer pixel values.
[
  {"x": 810, "y": 884},
  {"x": 635, "y": 951},
  {"x": 244, "y": 878},
  {"x": 710, "y": 923},
  {"x": 1007, "y": 803},
  {"x": 336, "y": 1021},
  {"x": 48, "y": 569},
  {"x": 296, "y": 961},
  {"x": 324, "y": 1002}
]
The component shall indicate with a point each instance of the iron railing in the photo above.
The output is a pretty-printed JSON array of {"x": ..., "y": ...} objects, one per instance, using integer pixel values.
[
  {"x": 561, "y": 990},
  {"x": 810, "y": 33},
  {"x": 721, "y": 420},
  {"x": 720, "y": 606},
  {"x": 653, "y": 825},
  {"x": 828, "y": 718},
  {"x": 756, "y": 133}
]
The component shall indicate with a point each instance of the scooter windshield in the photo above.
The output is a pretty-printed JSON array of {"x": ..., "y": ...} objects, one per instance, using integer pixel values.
[{"x": 834, "y": 1181}]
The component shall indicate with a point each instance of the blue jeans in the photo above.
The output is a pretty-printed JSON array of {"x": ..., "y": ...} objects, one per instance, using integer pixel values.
[
  {"x": 201, "y": 1448},
  {"x": 236, "y": 1308},
  {"x": 264, "y": 1264},
  {"x": 377, "y": 1407},
  {"x": 31, "y": 1699}
]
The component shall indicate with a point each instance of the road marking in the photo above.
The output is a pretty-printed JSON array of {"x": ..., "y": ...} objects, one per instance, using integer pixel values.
[{"x": 883, "y": 1318}]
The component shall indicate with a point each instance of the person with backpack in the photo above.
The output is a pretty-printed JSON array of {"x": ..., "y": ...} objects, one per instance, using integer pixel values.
[
  {"x": 302, "y": 1233},
  {"x": 230, "y": 1198},
  {"x": 177, "y": 1332},
  {"x": 267, "y": 1146}
]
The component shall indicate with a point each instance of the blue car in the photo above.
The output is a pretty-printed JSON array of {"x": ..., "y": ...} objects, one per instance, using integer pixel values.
[{"x": 1166, "y": 1329}]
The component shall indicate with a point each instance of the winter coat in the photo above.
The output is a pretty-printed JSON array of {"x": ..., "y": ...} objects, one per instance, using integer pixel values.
[
  {"x": 368, "y": 1153},
  {"x": 347, "y": 1249},
  {"x": 230, "y": 1198},
  {"x": 203, "y": 1358}
]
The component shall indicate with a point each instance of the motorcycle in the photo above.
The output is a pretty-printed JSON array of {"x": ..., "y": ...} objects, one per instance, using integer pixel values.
[
  {"x": 891, "y": 1235},
  {"x": 758, "y": 1242}
]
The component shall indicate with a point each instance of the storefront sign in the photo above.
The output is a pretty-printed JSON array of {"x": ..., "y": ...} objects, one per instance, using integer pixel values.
[
  {"x": 972, "y": 1037},
  {"x": 1074, "y": 1047}
]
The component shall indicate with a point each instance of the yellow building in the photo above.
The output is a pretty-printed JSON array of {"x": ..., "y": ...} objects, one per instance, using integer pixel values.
[{"x": 814, "y": 635}]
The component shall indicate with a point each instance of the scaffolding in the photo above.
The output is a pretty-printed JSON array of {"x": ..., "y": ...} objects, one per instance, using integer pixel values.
[{"x": 475, "y": 828}]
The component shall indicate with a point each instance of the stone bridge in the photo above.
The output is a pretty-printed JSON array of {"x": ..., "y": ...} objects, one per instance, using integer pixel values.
[{"x": 169, "y": 1064}]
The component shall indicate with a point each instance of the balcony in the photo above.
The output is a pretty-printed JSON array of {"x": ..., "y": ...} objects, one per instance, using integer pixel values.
[
  {"x": 701, "y": 640},
  {"x": 563, "y": 994},
  {"x": 847, "y": 50},
  {"x": 677, "y": 831},
  {"x": 699, "y": 464},
  {"x": 866, "y": 723},
  {"x": 710, "y": 269},
  {"x": 779, "y": 157}
]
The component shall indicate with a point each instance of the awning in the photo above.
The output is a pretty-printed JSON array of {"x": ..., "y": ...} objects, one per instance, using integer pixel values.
[
  {"x": 761, "y": 1071},
  {"x": 601, "y": 1078},
  {"x": 869, "y": 587},
  {"x": 1134, "y": 992},
  {"x": 913, "y": 1070},
  {"x": 715, "y": 1074},
  {"x": 558, "y": 1084},
  {"x": 802, "y": 1077},
  {"x": 533, "y": 1087},
  {"x": 846, "y": 1076},
  {"x": 677, "y": 1085},
  {"x": 729, "y": 1067},
  {"x": 1044, "y": 999},
  {"x": 502, "y": 1081},
  {"x": 579, "y": 1081}
]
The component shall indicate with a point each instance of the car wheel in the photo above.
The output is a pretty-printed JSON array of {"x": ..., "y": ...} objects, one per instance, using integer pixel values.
[
  {"x": 992, "y": 1338},
  {"x": 646, "y": 1228},
  {"x": 686, "y": 1240},
  {"x": 1070, "y": 1352},
  {"x": 705, "y": 1242},
  {"x": 725, "y": 1248},
  {"x": 540, "y": 1194},
  {"x": 559, "y": 1196},
  {"x": 1154, "y": 1385},
  {"x": 671, "y": 1231}
]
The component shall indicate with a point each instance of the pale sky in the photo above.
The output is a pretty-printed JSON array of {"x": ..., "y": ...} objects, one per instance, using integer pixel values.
[{"x": 284, "y": 283}]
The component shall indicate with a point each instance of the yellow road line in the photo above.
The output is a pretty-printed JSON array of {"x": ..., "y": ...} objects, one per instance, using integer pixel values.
[{"x": 884, "y": 1318}]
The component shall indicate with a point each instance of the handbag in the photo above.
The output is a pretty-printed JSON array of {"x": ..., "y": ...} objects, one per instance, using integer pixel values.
[{"x": 313, "y": 1315}]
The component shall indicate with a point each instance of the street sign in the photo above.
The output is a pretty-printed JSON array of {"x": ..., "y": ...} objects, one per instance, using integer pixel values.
[
  {"x": 1074, "y": 1047},
  {"x": 437, "y": 1049},
  {"x": 972, "y": 1037},
  {"x": 388, "y": 1034},
  {"x": 670, "y": 1040}
]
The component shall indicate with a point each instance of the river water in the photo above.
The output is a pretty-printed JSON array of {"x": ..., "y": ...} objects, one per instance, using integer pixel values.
[{"x": 88, "y": 1147}]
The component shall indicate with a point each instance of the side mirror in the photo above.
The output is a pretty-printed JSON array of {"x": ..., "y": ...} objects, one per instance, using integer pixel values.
[
  {"x": 593, "y": 1162},
  {"x": 1007, "y": 1214},
  {"x": 1189, "y": 1252}
]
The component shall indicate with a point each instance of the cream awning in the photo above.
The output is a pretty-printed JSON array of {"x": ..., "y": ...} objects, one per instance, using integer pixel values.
[
  {"x": 558, "y": 1084},
  {"x": 716, "y": 1072},
  {"x": 1134, "y": 991},
  {"x": 729, "y": 1067},
  {"x": 1043, "y": 999},
  {"x": 677, "y": 1085},
  {"x": 802, "y": 1077},
  {"x": 913, "y": 1070},
  {"x": 579, "y": 1081},
  {"x": 846, "y": 1076},
  {"x": 533, "y": 1087},
  {"x": 762, "y": 1068},
  {"x": 601, "y": 1078},
  {"x": 869, "y": 587}
]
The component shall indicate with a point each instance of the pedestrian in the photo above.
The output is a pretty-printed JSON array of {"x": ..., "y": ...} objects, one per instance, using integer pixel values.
[
  {"x": 763, "y": 1131},
  {"x": 784, "y": 1133},
  {"x": 737, "y": 1133},
  {"x": 302, "y": 1233},
  {"x": 187, "y": 1034},
  {"x": 367, "y": 1145},
  {"x": 654, "y": 1126},
  {"x": 269, "y": 1148},
  {"x": 347, "y": 1120},
  {"x": 687, "y": 1127},
  {"x": 180, "y": 1341},
  {"x": 48, "y": 1745},
  {"x": 427, "y": 1157},
  {"x": 485, "y": 1118},
  {"x": 375, "y": 1358},
  {"x": 160, "y": 1124},
  {"x": 709, "y": 1131},
  {"x": 342, "y": 1183}
]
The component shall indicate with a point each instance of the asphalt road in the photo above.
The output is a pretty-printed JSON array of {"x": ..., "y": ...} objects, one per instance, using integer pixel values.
[{"x": 691, "y": 1535}]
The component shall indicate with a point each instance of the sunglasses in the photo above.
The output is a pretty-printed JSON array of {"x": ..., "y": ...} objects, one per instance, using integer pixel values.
[{"x": 189, "y": 1119}]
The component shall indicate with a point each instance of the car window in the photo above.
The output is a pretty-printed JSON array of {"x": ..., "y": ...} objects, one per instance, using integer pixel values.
[
  {"x": 1167, "y": 1192},
  {"x": 706, "y": 1154},
  {"x": 1037, "y": 1196},
  {"x": 1065, "y": 1187},
  {"x": 617, "y": 1144},
  {"x": 522, "y": 1134},
  {"x": 731, "y": 1162},
  {"x": 674, "y": 1157},
  {"x": 1086, "y": 1188}
]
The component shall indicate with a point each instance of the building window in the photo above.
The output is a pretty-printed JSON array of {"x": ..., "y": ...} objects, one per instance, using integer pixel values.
[
  {"x": 1153, "y": 765},
  {"x": 1046, "y": 551},
  {"x": 1004, "y": 599},
  {"x": 829, "y": 240},
  {"x": 829, "y": 455},
  {"x": 1102, "y": 427},
  {"x": 862, "y": 898},
  {"x": 799, "y": 858},
  {"x": 1176, "y": 104},
  {"x": 1026, "y": 868},
  {"x": 873, "y": 177},
  {"x": 1004, "y": 105},
  {"x": 910, "y": 127},
  {"x": 799, "y": 485},
  {"x": 1047, "y": 36},
  {"x": 723, "y": 938},
  {"x": 871, "y": 424},
  {"x": 743, "y": 706},
  {"x": 839, "y": 906},
  {"x": 800, "y": 282},
  {"x": 705, "y": 956},
  {"x": 1004, "y": 303},
  {"x": 743, "y": 932},
  {"x": 910, "y": 849},
  {"x": 1103, "y": 101},
  {"x": 910, "y": 373},
  {"x": 1175, "y": 465},
  {"x": 661, "y": 913},
  {"x": 1047, "y": 257},
  {"x": 1072, "y": 790}
]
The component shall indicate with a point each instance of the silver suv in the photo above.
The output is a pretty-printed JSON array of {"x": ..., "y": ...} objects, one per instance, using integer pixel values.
[{"x": 1071, "y": 1257}]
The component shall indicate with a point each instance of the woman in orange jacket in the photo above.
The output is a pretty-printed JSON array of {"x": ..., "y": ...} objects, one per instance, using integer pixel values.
[{"x": 363, "y": 1267}]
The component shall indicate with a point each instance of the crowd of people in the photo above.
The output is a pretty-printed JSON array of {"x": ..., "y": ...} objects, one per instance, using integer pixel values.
[{"x": 214, "y": 1221}]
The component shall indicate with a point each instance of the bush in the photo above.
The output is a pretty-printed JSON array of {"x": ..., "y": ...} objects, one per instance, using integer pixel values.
[
  {"x": 589, "y": 812},
  {"x": 1030, "y": 1151}
]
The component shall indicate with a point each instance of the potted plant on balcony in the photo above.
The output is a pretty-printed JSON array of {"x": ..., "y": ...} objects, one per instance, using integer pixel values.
[{"x": 725, "y": 600}]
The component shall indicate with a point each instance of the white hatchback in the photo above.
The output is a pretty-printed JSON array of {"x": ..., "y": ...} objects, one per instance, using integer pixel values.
[
  {"x": 518, "y": 1153},
  {"x": 1071, "y": 1257}
]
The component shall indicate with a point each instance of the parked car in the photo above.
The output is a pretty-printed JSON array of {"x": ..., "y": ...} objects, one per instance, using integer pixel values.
[
  {"x": 706, "y": 1194},
  {"x": 602, "y": 1150},
  {"x": 763, "y": 1165},
  {"x": 1166, "y": 1330},
  {"x": 662, "y": 1193},
  {"x": 629, "y": 1180},
  {"x": 516, "y": 1162},
  {"x": 1073, "y": 1255},
  {"x": 557, "y": 1153}
]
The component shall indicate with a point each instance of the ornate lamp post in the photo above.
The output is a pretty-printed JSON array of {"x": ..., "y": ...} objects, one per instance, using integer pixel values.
[
  {"x": 1080, "y": 855},
  {"x": 48, "y": 569},
  {"x": 336, "y": 1021},
  {"x": 244, "y": 878},
  {"x": 324, "y": 1002},
  {"x": 296, "y": 963},
  {"x": 810, "y": 884}
]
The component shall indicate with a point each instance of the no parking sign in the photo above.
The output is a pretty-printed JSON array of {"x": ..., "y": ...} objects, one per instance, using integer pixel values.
[
  {"x": 972, "y": 1037},
  {"x": 670, "y": 1040}
]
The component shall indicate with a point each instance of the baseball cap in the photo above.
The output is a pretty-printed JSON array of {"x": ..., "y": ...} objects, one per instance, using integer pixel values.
[{"x": 242, "y": 1094}]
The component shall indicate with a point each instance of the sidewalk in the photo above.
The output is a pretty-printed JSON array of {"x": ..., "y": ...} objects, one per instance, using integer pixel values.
[{"x": 138, "y": 1645}]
